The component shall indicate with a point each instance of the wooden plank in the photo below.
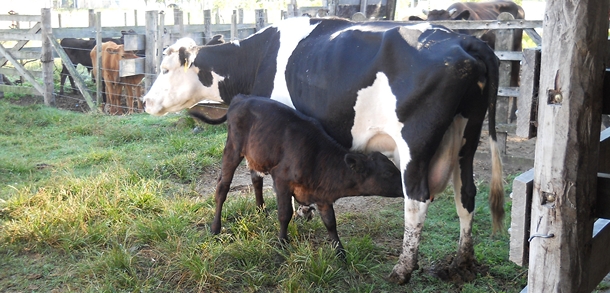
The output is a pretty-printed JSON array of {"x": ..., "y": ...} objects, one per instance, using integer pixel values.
[
  {"x": 129, "y": 67},
  {"x": 22, "y": 70},
  {"x": 509, "y": 55},
  {"x": 485, "y": 24},
  {"x": 567, "y": 144},
  {"x": 19, "y": 17},
  {"x": 24, "y": 90},
  {"x": 134, "y": 42},
  {"x": 599, "y": 258},
  {"x": 602, "y": 205},
  {"x": 19, "y": 37},
  {"x": 520, "y": 218},
  {"x": 527, "y": 103},
  {"x": 604, "y": 151}
]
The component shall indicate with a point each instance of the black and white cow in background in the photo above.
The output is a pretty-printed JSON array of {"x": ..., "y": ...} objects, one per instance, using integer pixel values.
[{"x": 417, "y": 93}]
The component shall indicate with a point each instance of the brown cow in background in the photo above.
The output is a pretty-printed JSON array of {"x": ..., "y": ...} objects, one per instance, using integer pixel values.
[{"x": 111, "y": 56}]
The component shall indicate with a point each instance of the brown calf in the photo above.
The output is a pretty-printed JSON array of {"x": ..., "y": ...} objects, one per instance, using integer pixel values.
[
  {"x": 111, "y": 56},
  {"x": 304, "y": 162}
]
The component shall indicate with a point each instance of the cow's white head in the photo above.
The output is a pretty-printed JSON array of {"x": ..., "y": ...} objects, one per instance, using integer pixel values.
[{"x": 178, "y": 87}]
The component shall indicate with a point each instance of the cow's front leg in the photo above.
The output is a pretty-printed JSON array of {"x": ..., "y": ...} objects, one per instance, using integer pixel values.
[
  {"x": 415, "y": 214},
  {"x": 327, "y": 213}
]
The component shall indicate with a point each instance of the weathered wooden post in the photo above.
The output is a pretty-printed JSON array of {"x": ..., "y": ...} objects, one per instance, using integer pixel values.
[
  {"x": 153, "y": 37},
  {"x": 207, "y": 24},
  {"x": 527, "y": 103},
  {"x": 91, "y": 18},
  {"x": 46, "y": 57},
  {"x": 98, "y": 50},
  {"x": 504, "y": 42},
  {"x": 240, "y": 16},
  {"x": 135, "y": 17},
  {"x": 234, "y": 25},
  {"x": 178, "y": 25},
  {"x": 260, "y": 16},
  {"x": 562, "y": 251}
]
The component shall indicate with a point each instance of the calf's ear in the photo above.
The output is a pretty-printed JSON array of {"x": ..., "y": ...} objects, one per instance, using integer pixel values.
[{"x": 355, "y": 162}]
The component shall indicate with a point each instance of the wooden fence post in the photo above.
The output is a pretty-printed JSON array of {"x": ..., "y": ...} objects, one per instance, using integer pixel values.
[
  {"x": 91, "y": 18},
  {"x": 178, "y": 25},
  {"x": 46, "y": 57},
  {"x": 207, "y": 25},
  {"x": 98, "y": 50},
  {"x": 234, "y": 26},
  {"x": 504, "y": 42},
  {"x": 153, "y": 38},
  {"x": 569, "y": 119},
  {"x": 527, "y": 103},
  {"x": 260, "y": 17},
  {"x": 240, "y": 15},
  {"x": 135, "y": 17}
]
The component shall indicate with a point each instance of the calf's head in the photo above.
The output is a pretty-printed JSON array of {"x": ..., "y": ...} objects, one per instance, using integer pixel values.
[{"x": 376, "y": 174}]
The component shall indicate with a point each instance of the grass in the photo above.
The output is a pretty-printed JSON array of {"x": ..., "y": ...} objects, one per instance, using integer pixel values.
[{"x": 94, "y": 203}]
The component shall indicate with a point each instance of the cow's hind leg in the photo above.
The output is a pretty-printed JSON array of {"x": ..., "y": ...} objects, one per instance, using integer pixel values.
[
  {"x": 463, "y": 264},
  {"x": 327, "y": 213},
  {"x": 230, "y": 160}
]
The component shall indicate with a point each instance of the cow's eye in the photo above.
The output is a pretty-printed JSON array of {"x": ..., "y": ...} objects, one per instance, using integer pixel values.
[{"x": 164, "y": 71}]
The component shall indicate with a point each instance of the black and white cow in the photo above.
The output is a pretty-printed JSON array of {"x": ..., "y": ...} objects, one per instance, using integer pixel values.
[{"x": 418, "y": 93}]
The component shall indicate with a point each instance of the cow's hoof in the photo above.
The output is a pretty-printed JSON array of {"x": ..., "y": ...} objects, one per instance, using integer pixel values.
[{"x": 399, "y": 278}]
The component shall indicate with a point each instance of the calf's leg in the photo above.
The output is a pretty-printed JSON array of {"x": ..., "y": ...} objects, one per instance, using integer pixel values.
[
  {"x": 230, "y": 160},
  {"x": 284, "y": 208},
  {"x": 327, "y": 213},
  {"x": 257, "y": 184}
]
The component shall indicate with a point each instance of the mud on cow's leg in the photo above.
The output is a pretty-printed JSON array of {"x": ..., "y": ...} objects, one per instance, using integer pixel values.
[{"x": 415, "y": 214}]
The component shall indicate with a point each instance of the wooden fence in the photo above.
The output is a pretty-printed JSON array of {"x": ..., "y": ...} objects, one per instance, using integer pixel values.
[{"x": 152, "y": 37}]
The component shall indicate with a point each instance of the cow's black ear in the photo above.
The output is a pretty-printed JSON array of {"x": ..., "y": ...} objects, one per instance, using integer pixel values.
[
  {"x": 464, "y": 15},
  {"x": 415, "y": 18},
  {"x": 184, "y": 55},
  {"x": 355, "y": 162}
]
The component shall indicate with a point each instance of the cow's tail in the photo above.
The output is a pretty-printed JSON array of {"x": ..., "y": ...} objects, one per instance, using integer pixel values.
[
  {"x": 208, "y": 120},
  {"x": 496, "y": 194}
]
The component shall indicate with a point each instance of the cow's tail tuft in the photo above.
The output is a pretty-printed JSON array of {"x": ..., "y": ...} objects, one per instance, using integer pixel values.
[{"x": 496, "y": 193}]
